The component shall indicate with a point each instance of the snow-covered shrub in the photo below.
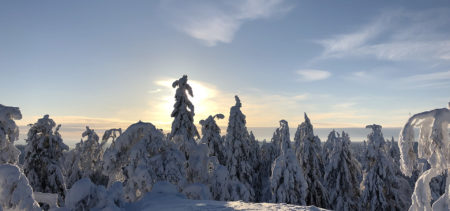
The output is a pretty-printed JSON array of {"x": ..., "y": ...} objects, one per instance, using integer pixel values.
[
  {"x": 140, "y": 157},
  {"x": 240, "y": 159},
  {"x": 42, "y": 164},
  {"x": 308, "y": 151},
  {"x": 287, "y": 182},
  {"x": 85, "y": 195},
  {"x": 342, "y": 172},
  {"x": 9, "y": 132},
  {"x": 197, "y": 171},
  {"x": 219, "y": 181},
  {"x": 85, "y": 160},
  {"x": 15, "y": 191},
  {"x": 434, "y": 147},
  {"x": 118, "y": 154},
  {"x": 211, "y": 137},
  {"x": 382, "y": 188}
]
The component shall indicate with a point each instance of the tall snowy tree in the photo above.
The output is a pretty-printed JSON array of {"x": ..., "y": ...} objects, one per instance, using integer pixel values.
[
  {"x": 394, "y": 152},
  {"x": 9, "y": 132},
  {"x": 211, "y": 137},
  {"x": 287, "y": 182},
  {"x": 342, "y": 172},
  {"x": 382, "y": 189},
  {"x": 433, "y": 147},
  {"x": 240, "y": 160},
  {"x": 183, "y": 128},
  {"x": 308, "y": 151},
  {"x": 42, "y": 164}
]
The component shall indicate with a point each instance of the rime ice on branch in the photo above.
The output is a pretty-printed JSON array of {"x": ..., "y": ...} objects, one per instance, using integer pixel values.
[{"x": 433, "y": 146}]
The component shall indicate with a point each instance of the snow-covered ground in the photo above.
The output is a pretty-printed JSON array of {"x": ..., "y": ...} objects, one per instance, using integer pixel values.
[{"x": 165, "y": 197}]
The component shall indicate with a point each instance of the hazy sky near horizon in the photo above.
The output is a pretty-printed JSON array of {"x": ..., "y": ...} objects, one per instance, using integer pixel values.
[{"x": 111, "y": 63}]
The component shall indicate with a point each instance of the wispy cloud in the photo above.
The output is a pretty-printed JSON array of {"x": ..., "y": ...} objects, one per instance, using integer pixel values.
[
  {"x": 396, "y": 35},
  {"x": 427, "y": 80},
  {"x": 217, "y": 22},
  {"x": 313, "y": 75}
]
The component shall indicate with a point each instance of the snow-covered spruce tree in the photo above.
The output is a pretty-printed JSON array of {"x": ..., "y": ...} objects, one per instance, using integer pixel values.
[
  {"x": 9, "y": 132},
  {"x": 309, "y": 153},
  {"x": 267, "y": 156},
  {"x": 183, "y": 128},
  {"x": 42, "y": 164},
  {"x": 211, "y": 137},
  {"x": 382, "y": 189},
  {"x": 287, "y": 182},
  {"x": 240, "y": 160},
  {"x": 394, "y": 152},
  {"x": 86, "y": 160},
  {"x": 434, "y": 147},
  {"x": 328, "y": 146},
  {"x": 15, "y": 192},
  {"x": 342, "y": 172}
]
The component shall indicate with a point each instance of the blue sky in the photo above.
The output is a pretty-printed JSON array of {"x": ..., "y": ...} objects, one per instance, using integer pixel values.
[{"x": 111, "y": 63}]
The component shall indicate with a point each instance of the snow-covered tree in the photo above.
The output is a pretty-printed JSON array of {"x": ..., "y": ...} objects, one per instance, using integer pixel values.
[
  {"x": 219, "y": 181},
  {"x": 394, "y": 152},
  {"x": 183, "y": 128},
  {"x": 140, "y": 157},
  {"x": 328, "y": 146},
  {"x": 119, "y": 153},
  {"x": 434, "y": 147},
  {"x": 308, "y": 151},
  {"x": 211, "y": 137},
  {"x": 342, "y": 172},
  {"x": 42, "y": 164},
  {"x": 287, "y": 182},
  {"x": 15, "y": 191},
  {"x": 240, "y": 159},
  {"x": 267, "y": 156},
  {"x": 84, "y": 195},
  {"x": 9, "y": 132},
  {"x": 86, "y": 160},
  {"x": 382, "y": 189}
]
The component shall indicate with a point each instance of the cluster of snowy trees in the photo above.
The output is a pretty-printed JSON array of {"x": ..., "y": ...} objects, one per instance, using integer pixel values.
[{"x": 235, "y": 166}]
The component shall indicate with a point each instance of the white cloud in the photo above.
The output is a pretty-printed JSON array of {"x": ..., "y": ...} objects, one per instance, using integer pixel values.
[
  {"x": 313, "y": 75},
  {"x": 429, "y": 77},
  {"x": 218, "y": 23},
  {"x": 396, "y": 35}
]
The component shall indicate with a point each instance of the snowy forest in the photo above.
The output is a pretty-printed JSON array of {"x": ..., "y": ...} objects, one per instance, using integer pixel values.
[{"x": 123, "y": 168}]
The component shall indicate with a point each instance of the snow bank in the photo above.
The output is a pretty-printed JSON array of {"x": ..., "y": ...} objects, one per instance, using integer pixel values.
[
  {"x": 164, "y": 197},
  {"x": 15, "y": 191}
]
